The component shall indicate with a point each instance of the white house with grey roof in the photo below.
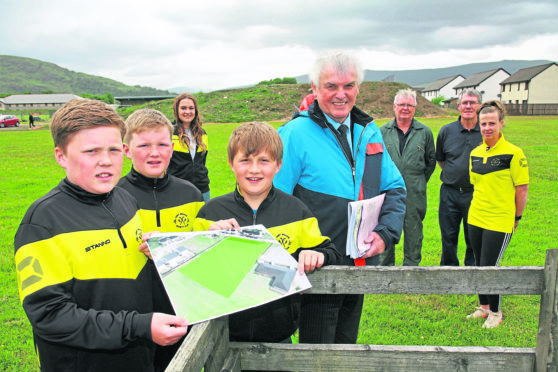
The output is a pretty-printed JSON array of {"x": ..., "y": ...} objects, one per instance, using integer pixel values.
[
  {"x": 532, "y": 85},
  {"x": 442, "y": 87},
  {"x": 35, "y": 101},
  {"x": 486, "y": 82}
]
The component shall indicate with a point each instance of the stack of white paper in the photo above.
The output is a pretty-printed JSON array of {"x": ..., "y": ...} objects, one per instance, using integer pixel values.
[{"x": 363, "y": 218}]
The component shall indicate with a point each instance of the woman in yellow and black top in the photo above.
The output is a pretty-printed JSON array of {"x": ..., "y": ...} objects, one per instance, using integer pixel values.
[
  {"x": 500, "y": 176},
  {"x": 190, "y": 144}
]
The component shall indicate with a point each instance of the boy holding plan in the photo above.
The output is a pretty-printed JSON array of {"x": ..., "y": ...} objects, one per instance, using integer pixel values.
[
  {"x": 167, "y": 203},
  {"x": 255, "y": 154}
]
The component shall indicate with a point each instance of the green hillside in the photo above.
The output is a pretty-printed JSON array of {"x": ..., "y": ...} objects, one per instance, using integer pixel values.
[
  {"x": 27, "y": 75},
  {"x": 279, "y": 102}
]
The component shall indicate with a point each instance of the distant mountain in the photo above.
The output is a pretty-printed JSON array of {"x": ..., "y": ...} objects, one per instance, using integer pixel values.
[
  {"x": 22, "y": 75},
  {"x": 424, "y": 76}
]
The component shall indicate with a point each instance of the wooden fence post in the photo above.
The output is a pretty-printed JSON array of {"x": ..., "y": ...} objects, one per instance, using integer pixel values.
[
  {"x": 206, "y": 345},
  {"x": 547, "y": 347}
]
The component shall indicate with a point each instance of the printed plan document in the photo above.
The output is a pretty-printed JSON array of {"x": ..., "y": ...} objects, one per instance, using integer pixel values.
[
  {"x": 208, "y": 274},
  {"x": 363, "y": 218}
]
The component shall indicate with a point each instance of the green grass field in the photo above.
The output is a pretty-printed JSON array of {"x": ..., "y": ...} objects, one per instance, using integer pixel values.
[{"x": 28, "y": 171}]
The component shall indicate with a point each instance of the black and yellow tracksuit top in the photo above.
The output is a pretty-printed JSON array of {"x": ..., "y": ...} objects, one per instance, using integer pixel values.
[
  {"x": 166, "y": 204},
  {"x": 183, "y": 166},
  {"x": 83, "y": 283},
  {"x": 294, "y": 226}
]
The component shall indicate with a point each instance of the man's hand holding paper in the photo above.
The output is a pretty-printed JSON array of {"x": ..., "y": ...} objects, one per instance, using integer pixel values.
[{"x": 376, "y": 243}]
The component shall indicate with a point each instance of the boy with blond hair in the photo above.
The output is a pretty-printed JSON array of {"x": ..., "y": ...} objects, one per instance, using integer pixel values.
[
  {"x": 167, "y": 203},
  {"x": 255, "y": 154},
  {"x": 84, "y": 285}
]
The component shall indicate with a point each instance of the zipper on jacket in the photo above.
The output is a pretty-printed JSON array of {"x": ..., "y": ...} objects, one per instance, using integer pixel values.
[
  {"x": 157, "y": 211},
  {"x": 116, "y": 224}
]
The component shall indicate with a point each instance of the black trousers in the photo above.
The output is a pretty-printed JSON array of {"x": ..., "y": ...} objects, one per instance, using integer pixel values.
[
  {"x": 489, "y": 247},
  {"x": 453, "y": 210},
  {"x": 330, "y": 319}
]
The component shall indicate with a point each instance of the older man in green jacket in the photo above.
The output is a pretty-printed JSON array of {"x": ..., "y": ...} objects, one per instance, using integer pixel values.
[{"x": 411, "y": 146}]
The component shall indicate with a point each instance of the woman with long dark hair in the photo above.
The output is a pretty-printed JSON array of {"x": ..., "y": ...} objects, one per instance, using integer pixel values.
[
  {"x": 190, "y": 144},
  {"x": 500, "y": 175}
]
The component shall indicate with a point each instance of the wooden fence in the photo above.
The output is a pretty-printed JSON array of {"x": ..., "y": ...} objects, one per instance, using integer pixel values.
[
  {"x": 207, "y": 344},
  {"x": 515, "y": 109}
]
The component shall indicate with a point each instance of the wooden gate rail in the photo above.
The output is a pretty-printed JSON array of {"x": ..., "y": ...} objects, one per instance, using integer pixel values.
[{"x": 207, "y": 344}]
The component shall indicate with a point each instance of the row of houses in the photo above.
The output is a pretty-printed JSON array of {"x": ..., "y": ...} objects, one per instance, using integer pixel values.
[{"x": 531, "y": 85}]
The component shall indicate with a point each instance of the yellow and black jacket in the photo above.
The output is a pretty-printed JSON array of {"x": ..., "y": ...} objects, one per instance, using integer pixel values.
[
  {"x": 166, "y": 204},
  {"x": 83, "y": 283},
  {"x": 294, "y": 226},
  {"x": 184, "y": 167}
]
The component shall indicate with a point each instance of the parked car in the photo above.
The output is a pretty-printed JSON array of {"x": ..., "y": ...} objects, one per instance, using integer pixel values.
[{"x": 7, "y": 120}]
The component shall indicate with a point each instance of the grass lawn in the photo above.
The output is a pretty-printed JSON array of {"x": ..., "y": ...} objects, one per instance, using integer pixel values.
[{"x": 28, "y": 171}]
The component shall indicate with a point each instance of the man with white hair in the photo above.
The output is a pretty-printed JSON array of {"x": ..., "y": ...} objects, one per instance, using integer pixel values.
[
  {"x": 334, "y": 154},
  {"x": 411, "y": 146}
]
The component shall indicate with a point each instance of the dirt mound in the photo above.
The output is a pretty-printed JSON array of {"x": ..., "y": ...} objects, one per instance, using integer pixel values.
[{"x": 376, "y": 98}]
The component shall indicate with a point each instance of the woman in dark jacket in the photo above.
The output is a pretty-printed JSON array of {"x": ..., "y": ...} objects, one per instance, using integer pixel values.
[{"x": 190, "y": 144}]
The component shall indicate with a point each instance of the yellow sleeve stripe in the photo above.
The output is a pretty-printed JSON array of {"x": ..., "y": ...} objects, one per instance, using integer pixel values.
[
  {"x": 205, "y": 139},
  {"x": 299, "y": 234},
  {"x": 82, "y": 255},
  {"x": 201, "y": 224}
]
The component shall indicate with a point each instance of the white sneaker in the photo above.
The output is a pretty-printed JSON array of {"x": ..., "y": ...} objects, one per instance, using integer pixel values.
[
  {"x": 493, "y": 320},
  {"x": 479, "y": 312}
]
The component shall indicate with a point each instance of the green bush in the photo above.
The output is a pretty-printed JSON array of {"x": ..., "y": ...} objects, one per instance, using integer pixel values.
[
  {"x": 438, "y": 100},
  {"x": 107, "y": 98},
  {"x": 285, "y": 80}
]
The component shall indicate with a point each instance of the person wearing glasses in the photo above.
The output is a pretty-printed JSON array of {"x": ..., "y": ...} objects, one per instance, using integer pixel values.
[
  {"x": 454, "y": 144},
  {"x": 411, "y": 147},
  {"x": 500, "y": 174}
]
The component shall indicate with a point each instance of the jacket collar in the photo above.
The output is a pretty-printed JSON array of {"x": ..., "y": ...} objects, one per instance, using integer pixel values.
[
  {"x": 82, "y": 195},
  {"x": 476, "y": 128},
  {"x": 393, "y": 123},
  {"x": 268, "y": 199},
  {"x": 140, "y": 180}
]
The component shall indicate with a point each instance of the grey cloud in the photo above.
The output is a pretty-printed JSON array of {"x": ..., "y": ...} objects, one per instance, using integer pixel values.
[
  {"x": 410, "y": 25},
  {"x": 147, "y": 40}
]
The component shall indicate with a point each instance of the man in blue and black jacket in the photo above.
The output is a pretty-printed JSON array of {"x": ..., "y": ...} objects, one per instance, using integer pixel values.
[{"x": 334, "y": 154}]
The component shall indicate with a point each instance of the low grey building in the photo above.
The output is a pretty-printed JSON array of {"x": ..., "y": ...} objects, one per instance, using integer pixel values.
[{"x": 35, "y": 101}]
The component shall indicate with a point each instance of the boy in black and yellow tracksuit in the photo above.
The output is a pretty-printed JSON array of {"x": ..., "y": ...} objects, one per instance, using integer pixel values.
[
  {"x": 74, "y": 252},
  {"x": 86, "y": 288},
  {"x": 167, "y": 203},
  {"x": 255, "y": 153}
]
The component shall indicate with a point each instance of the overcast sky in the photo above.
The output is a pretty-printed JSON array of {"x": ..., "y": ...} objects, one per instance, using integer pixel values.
[{"x": 215, "y": 44}]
